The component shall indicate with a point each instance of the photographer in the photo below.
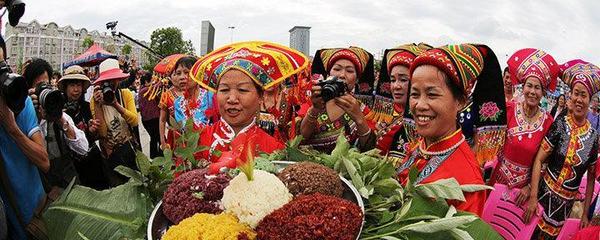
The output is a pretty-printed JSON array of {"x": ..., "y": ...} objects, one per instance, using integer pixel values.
[
  {"x": 36, "y": 71},
  {"x": 117, "y": 115},
  {"x": 22, "y": 153},
  {"x": 73, "y": 84},
  {"x": 64, "y": 141},
  {"x": 336, "y": 103}
]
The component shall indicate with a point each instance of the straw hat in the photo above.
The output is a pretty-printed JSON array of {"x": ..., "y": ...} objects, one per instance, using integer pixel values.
[{"x": 74, "y": 72}]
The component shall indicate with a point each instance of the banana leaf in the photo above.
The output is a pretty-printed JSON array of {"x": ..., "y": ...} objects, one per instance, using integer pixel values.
[{"x": 116, "y": 213}]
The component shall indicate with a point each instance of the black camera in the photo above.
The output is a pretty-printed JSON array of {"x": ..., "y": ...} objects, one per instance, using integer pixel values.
[
  {"x": 16, "y": 9},
  {"x": 51, "y": 101},
  {"x": 13, "y": 88},
  {"x": 332, "y": 87},
  {"x": 72, "y": 107},
  {"x": 108, "y": 94}
]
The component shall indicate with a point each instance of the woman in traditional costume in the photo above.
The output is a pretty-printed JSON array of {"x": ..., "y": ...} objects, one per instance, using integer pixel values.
[
  {"x": 239, "y": 74},
  {"x": 185, "y": 100},
  {"x": 570, "y": 148},
  {"x": 527, "y": 122},
  {"x": 346, "y": 114},
  {"x": 393, "y": 137},
  {"x": 443, "y": 80}
]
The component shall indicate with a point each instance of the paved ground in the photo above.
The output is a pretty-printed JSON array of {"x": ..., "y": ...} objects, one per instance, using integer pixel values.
[{"x": 144, "y": 138}]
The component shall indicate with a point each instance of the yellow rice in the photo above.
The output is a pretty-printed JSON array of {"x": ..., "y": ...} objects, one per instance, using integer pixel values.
[{"x": 209, "y": 227}]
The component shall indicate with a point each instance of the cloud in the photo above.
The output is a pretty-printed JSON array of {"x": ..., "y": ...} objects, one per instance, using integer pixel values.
[{"x": 565, "y": 29}]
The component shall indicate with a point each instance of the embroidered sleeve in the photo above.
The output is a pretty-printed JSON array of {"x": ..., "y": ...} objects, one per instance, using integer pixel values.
[{"x": 553, "y": 135}]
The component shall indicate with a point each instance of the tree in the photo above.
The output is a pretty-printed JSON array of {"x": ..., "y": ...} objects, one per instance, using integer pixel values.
[
  {"x": 111, "y": 48},
  {"x": 167, "y": 41},
  {"x": 87, "y": 42},
  {"x": 126, "y": 50}
]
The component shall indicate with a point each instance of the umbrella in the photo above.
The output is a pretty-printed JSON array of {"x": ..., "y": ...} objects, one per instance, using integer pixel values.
[
  {"x": 91, "y": 57},
  {"x": 165, "y": 66}
]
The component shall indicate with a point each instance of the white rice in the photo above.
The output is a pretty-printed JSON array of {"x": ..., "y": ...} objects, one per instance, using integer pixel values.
[{"x": 251, "y": 201}]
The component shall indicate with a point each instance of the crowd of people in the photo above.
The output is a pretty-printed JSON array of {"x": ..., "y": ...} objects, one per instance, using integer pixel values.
[{"x": 447, "y": 111}]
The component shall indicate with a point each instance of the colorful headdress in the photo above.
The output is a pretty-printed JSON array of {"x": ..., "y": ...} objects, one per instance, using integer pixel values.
[
  {"x": 475, "y": 68},
  {"x": 531, "y": 62},
  {"x": 363, "y": 62},
  {"x": 579, "y": 71},
  {"x": 266, "y": 63},
  {"x": 402, "y": 55}
]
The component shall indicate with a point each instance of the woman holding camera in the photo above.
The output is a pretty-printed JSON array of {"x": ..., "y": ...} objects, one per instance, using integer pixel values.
[
  {"x": 73, "y": 84},
  {"x": 345, "y": 111},
  {"x": 442, "y": 83},
  {"x": 239, "y": 74},
  {"x": 117, "y": 116},
  {"x": 393, "y": 136}
]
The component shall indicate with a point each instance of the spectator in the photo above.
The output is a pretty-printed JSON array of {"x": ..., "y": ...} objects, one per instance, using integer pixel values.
[
  {"x": 117, "y": 117},
  {"x": 22, "y": 153},
  {"x": 55, "y": 77},
  {"x": 73, "y": 84},
  {"x": 150, "y": 113}
]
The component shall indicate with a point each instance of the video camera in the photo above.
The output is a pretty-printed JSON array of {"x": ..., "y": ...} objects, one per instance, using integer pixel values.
[{"x": 16, "y": 9}]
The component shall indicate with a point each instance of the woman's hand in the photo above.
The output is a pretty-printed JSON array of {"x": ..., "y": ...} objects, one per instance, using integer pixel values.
[
  {"x": 316, "y": 99},
  {"x": 523, "y": 195},
  {"x": 531, "y": 209},
  {"x": 351, "y": 106}
]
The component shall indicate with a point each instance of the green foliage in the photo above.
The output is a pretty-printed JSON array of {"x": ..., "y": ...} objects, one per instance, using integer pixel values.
[
  {"x": 167, "y": 41},
  {"x": 84, "y": 213},
  {"x": 87, "y": 42},
  {"x": 391, "y": 212},
  {"x": 126, "y": 50}
]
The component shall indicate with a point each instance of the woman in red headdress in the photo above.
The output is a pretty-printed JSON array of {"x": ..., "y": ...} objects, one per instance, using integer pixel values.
[
  {"x": 442, "y": 83},
  {"x": 346, "y": 113},
  {"x": 527, "y": 122},
  {"x": 570, "y": 148},
  {"x": 391, "y": 101},
  {"x": 240, "y": 73}
]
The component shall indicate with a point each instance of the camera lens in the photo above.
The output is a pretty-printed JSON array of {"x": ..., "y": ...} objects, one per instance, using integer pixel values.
[
  {"x": 14, "y": 90},
  {"x": 107, "y": 93},
  {"x": 51, "y": 100}
]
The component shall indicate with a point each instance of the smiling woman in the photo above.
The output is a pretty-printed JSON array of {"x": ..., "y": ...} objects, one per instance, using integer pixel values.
[
  {"x": 239, "y": 73},
  {"x": 443, "y": 80},
  {"x": 393, "y": 133},
  {"x": 570, "y": 148}
]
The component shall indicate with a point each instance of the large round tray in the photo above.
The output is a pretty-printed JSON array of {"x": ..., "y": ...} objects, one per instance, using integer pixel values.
[{"x": 158, "y": 223}]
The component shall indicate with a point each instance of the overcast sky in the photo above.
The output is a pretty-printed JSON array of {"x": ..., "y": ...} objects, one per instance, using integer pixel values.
[{"x": 565, "y": 29}]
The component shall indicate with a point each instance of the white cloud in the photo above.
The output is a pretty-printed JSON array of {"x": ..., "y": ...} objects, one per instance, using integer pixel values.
[{"x": 565, "y": 29}]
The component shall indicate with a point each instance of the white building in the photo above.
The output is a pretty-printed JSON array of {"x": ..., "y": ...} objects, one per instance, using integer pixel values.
[
  {"x": 58, "y": 44},
  {"x": 300, "y": 39}
]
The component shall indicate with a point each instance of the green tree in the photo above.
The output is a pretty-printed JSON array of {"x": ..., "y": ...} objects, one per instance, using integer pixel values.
[
  {"x": 111, "y": 48},
  {"x": 87, "y": 42},
  {"x": 167, "y": 41},
  {"x": 126, "y": 50}
]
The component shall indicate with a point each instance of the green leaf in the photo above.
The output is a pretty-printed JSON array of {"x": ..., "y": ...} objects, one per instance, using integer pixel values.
[
  {"x": 386, "y": 186},
  {"x": 443, "y": 188},
  {"x": 451, "y": 211},
  {"x": 130, "y": 173},
  {"x": 142, "y": 162},
  {"x": 82, "y": 236},
  {"x": 168, "y": 155},
  {"x": 390, "y": 238},
  {"x": 413, "y": 172},
  {"x": 475, "y": 187},
  {"x": 354, "y": 176},
  {"x": 438, "y": 225},
  {"x": 116, "y": 213},
  {"x": 192, "y": 141},
  {"x": 460, "y": 234}
]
